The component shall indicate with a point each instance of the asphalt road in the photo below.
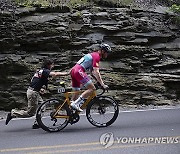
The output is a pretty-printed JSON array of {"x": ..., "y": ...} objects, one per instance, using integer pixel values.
[{"x": 134, "y": 132}]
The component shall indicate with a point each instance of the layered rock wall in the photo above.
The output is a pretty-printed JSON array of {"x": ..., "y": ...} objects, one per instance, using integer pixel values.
[{"x": 142, "y": 70}]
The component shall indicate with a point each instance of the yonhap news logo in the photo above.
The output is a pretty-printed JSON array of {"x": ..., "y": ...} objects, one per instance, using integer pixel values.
[{"x": 108, "y": 139}]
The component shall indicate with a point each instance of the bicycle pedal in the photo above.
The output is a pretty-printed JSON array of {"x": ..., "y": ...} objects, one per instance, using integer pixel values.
[
  {"x": 74, "y": 118},
  {"x": 71, "y": 122}
]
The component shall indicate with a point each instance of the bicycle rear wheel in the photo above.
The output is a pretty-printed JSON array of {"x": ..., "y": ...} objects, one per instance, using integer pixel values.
[
  {"x": 102, "y": 111},
  {"x": 51, "y": 120}
]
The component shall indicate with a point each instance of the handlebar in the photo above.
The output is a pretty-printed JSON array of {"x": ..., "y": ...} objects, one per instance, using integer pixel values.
[{"x": 98, "y": 86}]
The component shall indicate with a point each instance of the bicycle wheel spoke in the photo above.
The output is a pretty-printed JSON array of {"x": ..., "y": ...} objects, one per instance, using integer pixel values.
[
  {"x": 52, "y": 118},
  {"x": 102, "y": 111}
]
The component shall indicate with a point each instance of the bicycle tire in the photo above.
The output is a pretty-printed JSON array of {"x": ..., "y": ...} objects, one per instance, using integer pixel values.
[
  {"x": 98, "y": 109},
  {"x": 45, "y": 119}
]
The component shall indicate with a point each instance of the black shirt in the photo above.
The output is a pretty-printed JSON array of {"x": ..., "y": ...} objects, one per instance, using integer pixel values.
[{"x": 40, "y": 79}]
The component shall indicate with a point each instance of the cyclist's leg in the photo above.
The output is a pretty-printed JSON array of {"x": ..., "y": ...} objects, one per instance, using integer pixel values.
[
  {"x": 79, "y": 102},
  {"x": 90, "y": 88},
  {"x": 75, "y": 95},
  {"x": 83, "y": 78},
  {"x": 75, "y": 83}
]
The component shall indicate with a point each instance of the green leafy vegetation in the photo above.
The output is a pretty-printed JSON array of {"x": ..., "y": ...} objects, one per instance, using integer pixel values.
[{"x": 175, "y": 8}]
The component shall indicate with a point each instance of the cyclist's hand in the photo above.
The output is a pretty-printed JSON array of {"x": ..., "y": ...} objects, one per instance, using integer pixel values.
[{"x": 105, "y": 86}]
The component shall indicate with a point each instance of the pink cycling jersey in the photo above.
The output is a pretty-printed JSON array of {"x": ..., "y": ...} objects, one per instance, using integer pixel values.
[{"x": 87, "y": 62}]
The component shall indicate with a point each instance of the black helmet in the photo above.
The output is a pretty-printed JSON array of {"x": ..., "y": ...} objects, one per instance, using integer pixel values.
[{"x": 105, "y": 47}]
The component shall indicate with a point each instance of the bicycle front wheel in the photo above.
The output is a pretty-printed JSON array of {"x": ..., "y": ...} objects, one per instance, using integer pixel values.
[
  {"x": 102, "y": 111},
  {"x": 52, "y": 115}
]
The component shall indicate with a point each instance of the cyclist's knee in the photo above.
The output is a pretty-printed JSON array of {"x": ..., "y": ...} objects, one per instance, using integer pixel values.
[{"x": 91, "y": 89}]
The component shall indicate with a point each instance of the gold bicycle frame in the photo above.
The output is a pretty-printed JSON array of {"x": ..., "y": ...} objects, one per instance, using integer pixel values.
[{"x": 67, "y": 99}]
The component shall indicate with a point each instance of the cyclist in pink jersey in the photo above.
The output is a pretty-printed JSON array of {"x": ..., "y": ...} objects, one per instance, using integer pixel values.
[{"x": 78, "y": 74}]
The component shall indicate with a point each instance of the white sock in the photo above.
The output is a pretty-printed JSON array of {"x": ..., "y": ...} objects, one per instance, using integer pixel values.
[{"x": 79, "y": 101}]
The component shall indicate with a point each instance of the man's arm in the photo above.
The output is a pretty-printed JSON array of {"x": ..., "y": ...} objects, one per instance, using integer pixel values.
[
  {"x": 54, "y": 74},
  {"x": 97, "y": 74}
]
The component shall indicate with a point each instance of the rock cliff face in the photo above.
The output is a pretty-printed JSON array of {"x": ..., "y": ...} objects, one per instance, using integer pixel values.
[{"x": 143, "y": 69}]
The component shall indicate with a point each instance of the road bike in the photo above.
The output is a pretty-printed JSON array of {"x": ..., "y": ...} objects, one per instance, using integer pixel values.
[{"x": 54, "y": 115}]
